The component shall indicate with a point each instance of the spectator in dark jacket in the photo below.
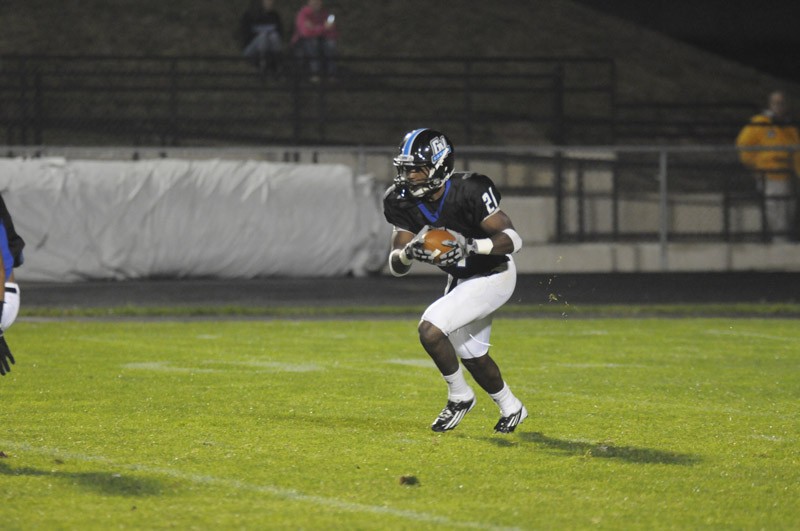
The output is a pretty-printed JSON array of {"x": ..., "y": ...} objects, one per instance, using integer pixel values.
[{"x": 261, "y": 32}]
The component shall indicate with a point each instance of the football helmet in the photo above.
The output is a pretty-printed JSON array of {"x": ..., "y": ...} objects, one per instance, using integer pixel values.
[{"x": 423, "y": 149}]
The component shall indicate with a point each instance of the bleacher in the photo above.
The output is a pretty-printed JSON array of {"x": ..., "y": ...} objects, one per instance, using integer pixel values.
[{"x": 542, "y": 127}]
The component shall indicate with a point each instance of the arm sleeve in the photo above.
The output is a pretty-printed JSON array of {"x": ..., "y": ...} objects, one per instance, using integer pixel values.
[
  {"x": 796, "y": 141},
  {"x": 749, "y": 136}
]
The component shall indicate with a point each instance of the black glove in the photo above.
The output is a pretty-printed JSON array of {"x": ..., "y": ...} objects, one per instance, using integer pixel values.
[{"x": 5, "y": 356}]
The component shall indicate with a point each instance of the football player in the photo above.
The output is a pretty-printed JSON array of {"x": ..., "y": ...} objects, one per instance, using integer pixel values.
[
  {"x": 481, "y": 274},
  {"x": 10, "y": 257}
]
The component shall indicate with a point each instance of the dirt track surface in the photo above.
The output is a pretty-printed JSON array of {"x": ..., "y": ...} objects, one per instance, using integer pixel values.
[{"x": 631, "y": 288}]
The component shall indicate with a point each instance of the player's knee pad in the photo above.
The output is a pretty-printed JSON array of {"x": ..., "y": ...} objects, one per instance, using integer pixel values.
[{"x": 470, "y": 344}]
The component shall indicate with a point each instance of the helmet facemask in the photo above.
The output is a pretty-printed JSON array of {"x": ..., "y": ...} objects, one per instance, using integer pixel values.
[{"x": 416, "y": 189}]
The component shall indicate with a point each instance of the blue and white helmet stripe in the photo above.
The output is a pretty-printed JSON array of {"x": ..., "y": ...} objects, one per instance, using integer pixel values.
[{"x": 410, "y": 140}]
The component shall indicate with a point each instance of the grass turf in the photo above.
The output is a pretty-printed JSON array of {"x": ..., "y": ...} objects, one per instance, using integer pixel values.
[{"x": 643, "y": 423}]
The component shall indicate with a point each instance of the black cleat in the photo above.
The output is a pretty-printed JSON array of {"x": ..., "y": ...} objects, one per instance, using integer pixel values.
[
  {"x": 452, "y": 414},
  {"x": 510, "y": 423}
]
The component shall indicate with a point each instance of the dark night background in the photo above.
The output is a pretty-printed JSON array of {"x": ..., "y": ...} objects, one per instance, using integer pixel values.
[{"x": 764, "y": 35}]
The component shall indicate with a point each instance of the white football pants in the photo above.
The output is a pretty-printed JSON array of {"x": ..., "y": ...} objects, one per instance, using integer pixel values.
[{"x": 465, "y": 313}]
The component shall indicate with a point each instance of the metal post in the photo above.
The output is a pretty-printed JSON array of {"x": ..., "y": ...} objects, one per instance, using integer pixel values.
[
  {"x": 727, "y": 206},
  {"x": 24, "y": 114},
  {"x": 297, "y": 103},
  {"x": 171, "y": 136},
  {"x": 468, "y": 100},
  {"x": 581, "y": 203},
  {"x": 558, "y": 127},
  {"x": 613, "y": 101},
  {"x": 614, "y": 201},
  {"x": 558, "y": 168},
  {"x": 762, "y": 206},
  {"x": 322, "y": 108},
  {"x": 663, "y": 229},
  {"x": 38, "y": 108}
]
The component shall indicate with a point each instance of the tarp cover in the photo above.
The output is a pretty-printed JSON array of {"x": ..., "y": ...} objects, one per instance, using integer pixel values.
[{"x": 86, "y": 219}]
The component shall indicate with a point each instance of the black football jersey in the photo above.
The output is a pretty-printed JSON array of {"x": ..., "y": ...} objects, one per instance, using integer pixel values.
[{"x": 467, "y": 200}]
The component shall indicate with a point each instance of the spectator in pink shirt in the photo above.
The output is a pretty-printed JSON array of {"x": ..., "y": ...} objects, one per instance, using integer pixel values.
[{"x": 315, "y": 38}]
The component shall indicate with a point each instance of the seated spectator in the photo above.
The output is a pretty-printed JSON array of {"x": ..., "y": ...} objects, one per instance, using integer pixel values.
[
  {"x": 776, "y": 170},
  {"x": 261, "y": 32},
  {"x": 315, "y": 37}
]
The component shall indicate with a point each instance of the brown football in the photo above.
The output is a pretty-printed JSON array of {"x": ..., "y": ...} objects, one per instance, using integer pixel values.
[{"x": 433, "y": 242}]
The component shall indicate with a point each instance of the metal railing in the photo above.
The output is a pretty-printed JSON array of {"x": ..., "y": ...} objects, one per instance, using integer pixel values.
[
  {"x": 192, "y": 101},
  {"x": 665, "y": 194},
  {"x": 658, "y": 194},
  {"x": 173, "y": 101},
  {"x": 660, "y": 121}
]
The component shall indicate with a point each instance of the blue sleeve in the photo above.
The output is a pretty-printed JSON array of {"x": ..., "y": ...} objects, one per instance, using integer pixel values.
[{"x": 8, "y": 258}]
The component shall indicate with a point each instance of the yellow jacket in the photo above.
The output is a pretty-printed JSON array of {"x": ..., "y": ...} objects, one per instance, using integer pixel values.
[{"x": 761, "y": 131}]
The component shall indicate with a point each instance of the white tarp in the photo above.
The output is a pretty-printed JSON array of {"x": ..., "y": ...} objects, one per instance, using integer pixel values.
[{"x": 186, "y": 218}]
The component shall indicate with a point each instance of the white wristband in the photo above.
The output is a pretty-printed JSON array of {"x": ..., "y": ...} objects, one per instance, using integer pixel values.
[
  {"x": 483, "y": 246},
  {"x": 515, "y": 239},
  {"x": 401, "y": 255},
  {"x": 401, "y": 270}
]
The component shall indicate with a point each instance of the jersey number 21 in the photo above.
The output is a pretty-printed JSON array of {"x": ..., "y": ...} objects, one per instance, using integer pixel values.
[{"x": 490, "y": 201}]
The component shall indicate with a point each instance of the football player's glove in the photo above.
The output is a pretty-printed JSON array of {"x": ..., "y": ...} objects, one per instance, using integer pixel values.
[
  {"x": 414, "y": 249},
  {"x": 461, "y": 248},
  {"x": 5, "y": 356}
]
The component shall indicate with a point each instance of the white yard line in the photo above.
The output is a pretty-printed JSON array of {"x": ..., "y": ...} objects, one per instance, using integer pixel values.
[{"x": 736, "y": 333}]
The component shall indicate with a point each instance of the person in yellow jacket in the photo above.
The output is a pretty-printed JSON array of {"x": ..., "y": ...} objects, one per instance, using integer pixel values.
[{"x": 777, "y": 170}]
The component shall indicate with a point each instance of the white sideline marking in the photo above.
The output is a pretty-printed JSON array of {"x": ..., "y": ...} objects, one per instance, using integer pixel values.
[
  {"x": 288, "y": 494},
  {"x": 570, "y": 334},
  {"x": 413, "y": 363},
  {"x": 598, "y": 365},
  {"x": 736, "y": 333},
  {"x": 276, "y": 366},
  {"x": 270, "y": 366},
  {"x": 163, "y": 366},
  {"x": 768, "y": 437}
]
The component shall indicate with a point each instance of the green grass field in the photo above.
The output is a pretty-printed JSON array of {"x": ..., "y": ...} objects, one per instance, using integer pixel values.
[{"x": 286, "y": 424}]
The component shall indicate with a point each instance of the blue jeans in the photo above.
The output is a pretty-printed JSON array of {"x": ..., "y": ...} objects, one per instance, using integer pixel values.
[
  {"x": 318, "y": 51},
  {"x": 264, "y": 49}
]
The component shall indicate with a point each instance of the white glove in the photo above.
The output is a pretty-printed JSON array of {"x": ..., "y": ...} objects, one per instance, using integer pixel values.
[
  {"x": 414, "y": 250},
  {"x": 461, "y": 248}
]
